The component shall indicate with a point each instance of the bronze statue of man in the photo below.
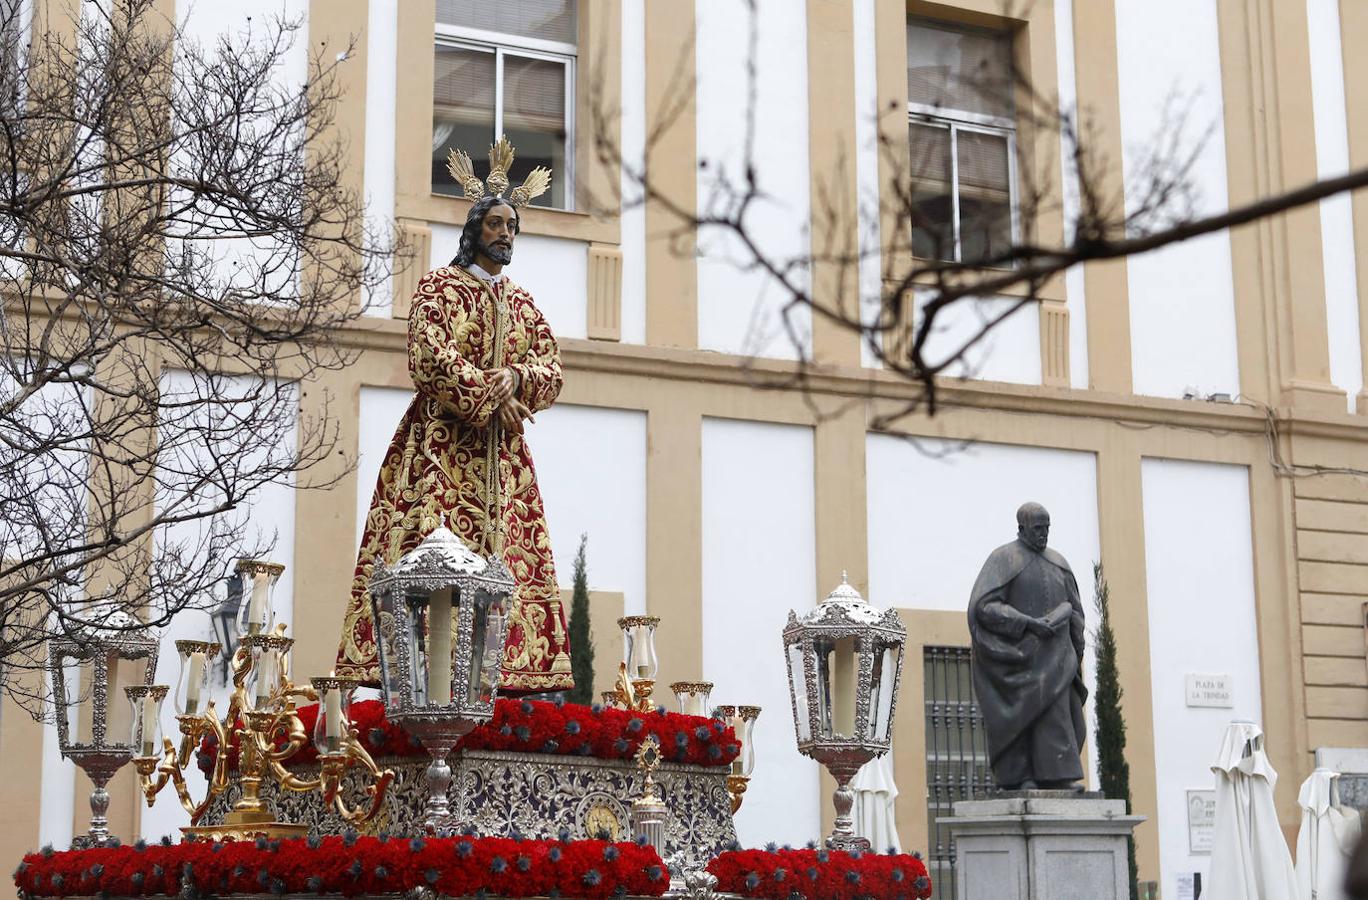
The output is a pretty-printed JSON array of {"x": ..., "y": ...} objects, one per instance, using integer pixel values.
[{"x": 1026, "y": 626}]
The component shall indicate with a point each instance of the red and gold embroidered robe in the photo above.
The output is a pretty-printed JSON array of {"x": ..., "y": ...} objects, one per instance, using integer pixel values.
[{"x": 439, "y": 465}]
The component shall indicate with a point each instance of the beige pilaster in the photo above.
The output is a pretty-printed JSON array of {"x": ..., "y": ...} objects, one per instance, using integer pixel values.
[
  {"x": 674, "y": 531},
  {"x": 21, "y": 745},
  {"x": 1354, "y": 34},
  {"x": 325, "y": 526},
  {"x": 1277, "y": 266},
  {"x": 1105, "y": 283},
  {"x": 671, "y": 168},
  {"x": 842, "y": 526},
  {"x": 1120, "y": 519},
  {"x": 834, "y": 234}
]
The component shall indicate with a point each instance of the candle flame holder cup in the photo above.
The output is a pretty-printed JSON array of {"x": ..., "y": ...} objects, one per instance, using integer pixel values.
[
  {"x": 694, "y": 697},
  {"x": 639, "y": 657}
]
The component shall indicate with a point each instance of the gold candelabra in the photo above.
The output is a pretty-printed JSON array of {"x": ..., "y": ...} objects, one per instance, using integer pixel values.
[{"x": 268, "y": 730}]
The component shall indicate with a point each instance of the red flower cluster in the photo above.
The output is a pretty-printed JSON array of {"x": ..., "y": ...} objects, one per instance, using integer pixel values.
[
  {"x": 351, "y": 866},
  {"x": 538, "y": 726},
  {"x": 825, "y": 874}
]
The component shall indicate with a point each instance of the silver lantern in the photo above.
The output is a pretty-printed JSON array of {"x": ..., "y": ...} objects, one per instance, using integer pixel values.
[
  {"x": 844, "y": 663},
  {"x": 91, "y": 668},
  {"x": 439, "y": 618}
]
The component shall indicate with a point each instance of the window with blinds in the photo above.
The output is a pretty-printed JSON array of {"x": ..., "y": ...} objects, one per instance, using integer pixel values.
[
  {"x": 962, "y": 141},
  {"x": 506, "y": 68}
]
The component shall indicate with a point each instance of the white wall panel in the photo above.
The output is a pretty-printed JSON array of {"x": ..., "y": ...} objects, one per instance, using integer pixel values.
[
  {"x": 633, "y": 125},
  {"x": 267, "y": 517},
  {"x": 1336, "y": 213},
  {"x": 1073, "y": 278},
  {"x": 1199, "y": 573},
  {"x": 867, "y": 122},
  {"x": 1182, "y": 298},
  {"x": 554, "y": 270},
  {"x": 759, "y": 562},
  {"x": 738, "y": 309},
  {"x": 382, "y": 61},
  {"x": 58, "y": 800},
  {"x": 1009, "y": 352},
  {"x": 591, "y": 465},
  {"x": 241, "y": 261},
  {"x": 381, "y": 410}
]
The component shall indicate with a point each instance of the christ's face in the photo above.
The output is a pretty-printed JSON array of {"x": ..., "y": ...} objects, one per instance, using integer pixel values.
[
  {"x": 1036, "y": 531},
  {"x": 497, "y": 231}
]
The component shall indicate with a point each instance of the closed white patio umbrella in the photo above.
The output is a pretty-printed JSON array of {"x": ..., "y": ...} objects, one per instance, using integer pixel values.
[
  {"x": 1328, "y": 834},
  {"x": 1249, "y": 856},
  {"x": 873, "y": 811}
]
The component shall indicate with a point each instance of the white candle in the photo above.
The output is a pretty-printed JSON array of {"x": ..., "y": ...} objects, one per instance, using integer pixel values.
[
  {"x": 149, "y": 726},
  {"x": 266, "y": 675},
  {"x": 256, "y": 609},
  {"x": 439, "y": 648},
  {"x": 332, "y": 711},
  {"x": 843, "y": 687},
  {"x": 738, "y": 725},
  {"x": 192, "y": 685}
]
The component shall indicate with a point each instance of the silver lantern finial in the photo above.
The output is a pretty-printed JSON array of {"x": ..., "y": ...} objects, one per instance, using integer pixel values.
[
  {"x": 439, "y": 619},
  {"x": 844, "y": 661}
]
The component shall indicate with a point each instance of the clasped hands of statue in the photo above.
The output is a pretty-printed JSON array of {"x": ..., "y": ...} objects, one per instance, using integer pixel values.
[{"x": 512, "y": 411}]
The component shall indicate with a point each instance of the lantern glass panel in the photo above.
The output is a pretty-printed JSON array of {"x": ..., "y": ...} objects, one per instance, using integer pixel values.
[
  {"x": 838, "y": 682},
  {"x": 333, "y": 720},
  {"x": 78, "y": 686},
  {"x": 384, "y": 622},
  {"x": 881, "y": 693},
  {"x": 798, "y": 680},
  {"x": 417, "y": 638},
  {"x": 122, "y": 673},
  {"x": 486, "y": 650}
]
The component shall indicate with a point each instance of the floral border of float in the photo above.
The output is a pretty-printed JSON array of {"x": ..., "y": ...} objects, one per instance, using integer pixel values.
[
  {"x": 536, "y": 726},
  {"x": 352, "y": 865}
]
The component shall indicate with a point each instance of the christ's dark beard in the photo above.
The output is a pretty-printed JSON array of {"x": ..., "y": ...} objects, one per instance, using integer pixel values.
[{"x": 503, "y": 255}]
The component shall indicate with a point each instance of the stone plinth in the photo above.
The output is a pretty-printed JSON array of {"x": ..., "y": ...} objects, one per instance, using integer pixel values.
[{"x": 1041, "y": 845}]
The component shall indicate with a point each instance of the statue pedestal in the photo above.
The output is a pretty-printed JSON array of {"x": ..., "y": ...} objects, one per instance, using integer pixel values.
[{"x": 1041, "y": 845}]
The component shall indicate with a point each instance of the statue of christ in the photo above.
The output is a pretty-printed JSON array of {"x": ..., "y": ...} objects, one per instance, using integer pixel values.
[{"x": 483, "y": 361}]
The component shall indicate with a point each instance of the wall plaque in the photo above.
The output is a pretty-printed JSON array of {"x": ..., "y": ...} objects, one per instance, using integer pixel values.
[
  {"x": 1210, "y": 690},
  {"x": 1201, "y": 818}
]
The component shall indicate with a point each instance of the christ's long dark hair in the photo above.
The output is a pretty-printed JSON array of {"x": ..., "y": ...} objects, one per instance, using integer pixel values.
[{"x": 470, "y": 234}]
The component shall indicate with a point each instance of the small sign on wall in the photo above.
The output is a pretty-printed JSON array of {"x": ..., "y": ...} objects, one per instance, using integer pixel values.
[
  {"x": 1201, "y": 818},
  {"x": 1210, "y": 690}
]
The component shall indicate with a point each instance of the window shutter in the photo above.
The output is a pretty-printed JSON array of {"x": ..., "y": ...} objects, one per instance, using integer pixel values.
[
  {"x": 547, "y": 20},
  {"x": 959, "y": 71},
  {"x": 534, "y": 94},
  {"x": 463, "y": 86}
]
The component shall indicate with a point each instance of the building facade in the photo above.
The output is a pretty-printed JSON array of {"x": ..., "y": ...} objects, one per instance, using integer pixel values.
[{"x": 1194, "y": 419}]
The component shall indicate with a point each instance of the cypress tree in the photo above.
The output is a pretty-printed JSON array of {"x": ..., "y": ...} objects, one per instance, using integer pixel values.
[
  {"x": 581, "y": 641},
  {"x": 1110, "y": 727}
]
